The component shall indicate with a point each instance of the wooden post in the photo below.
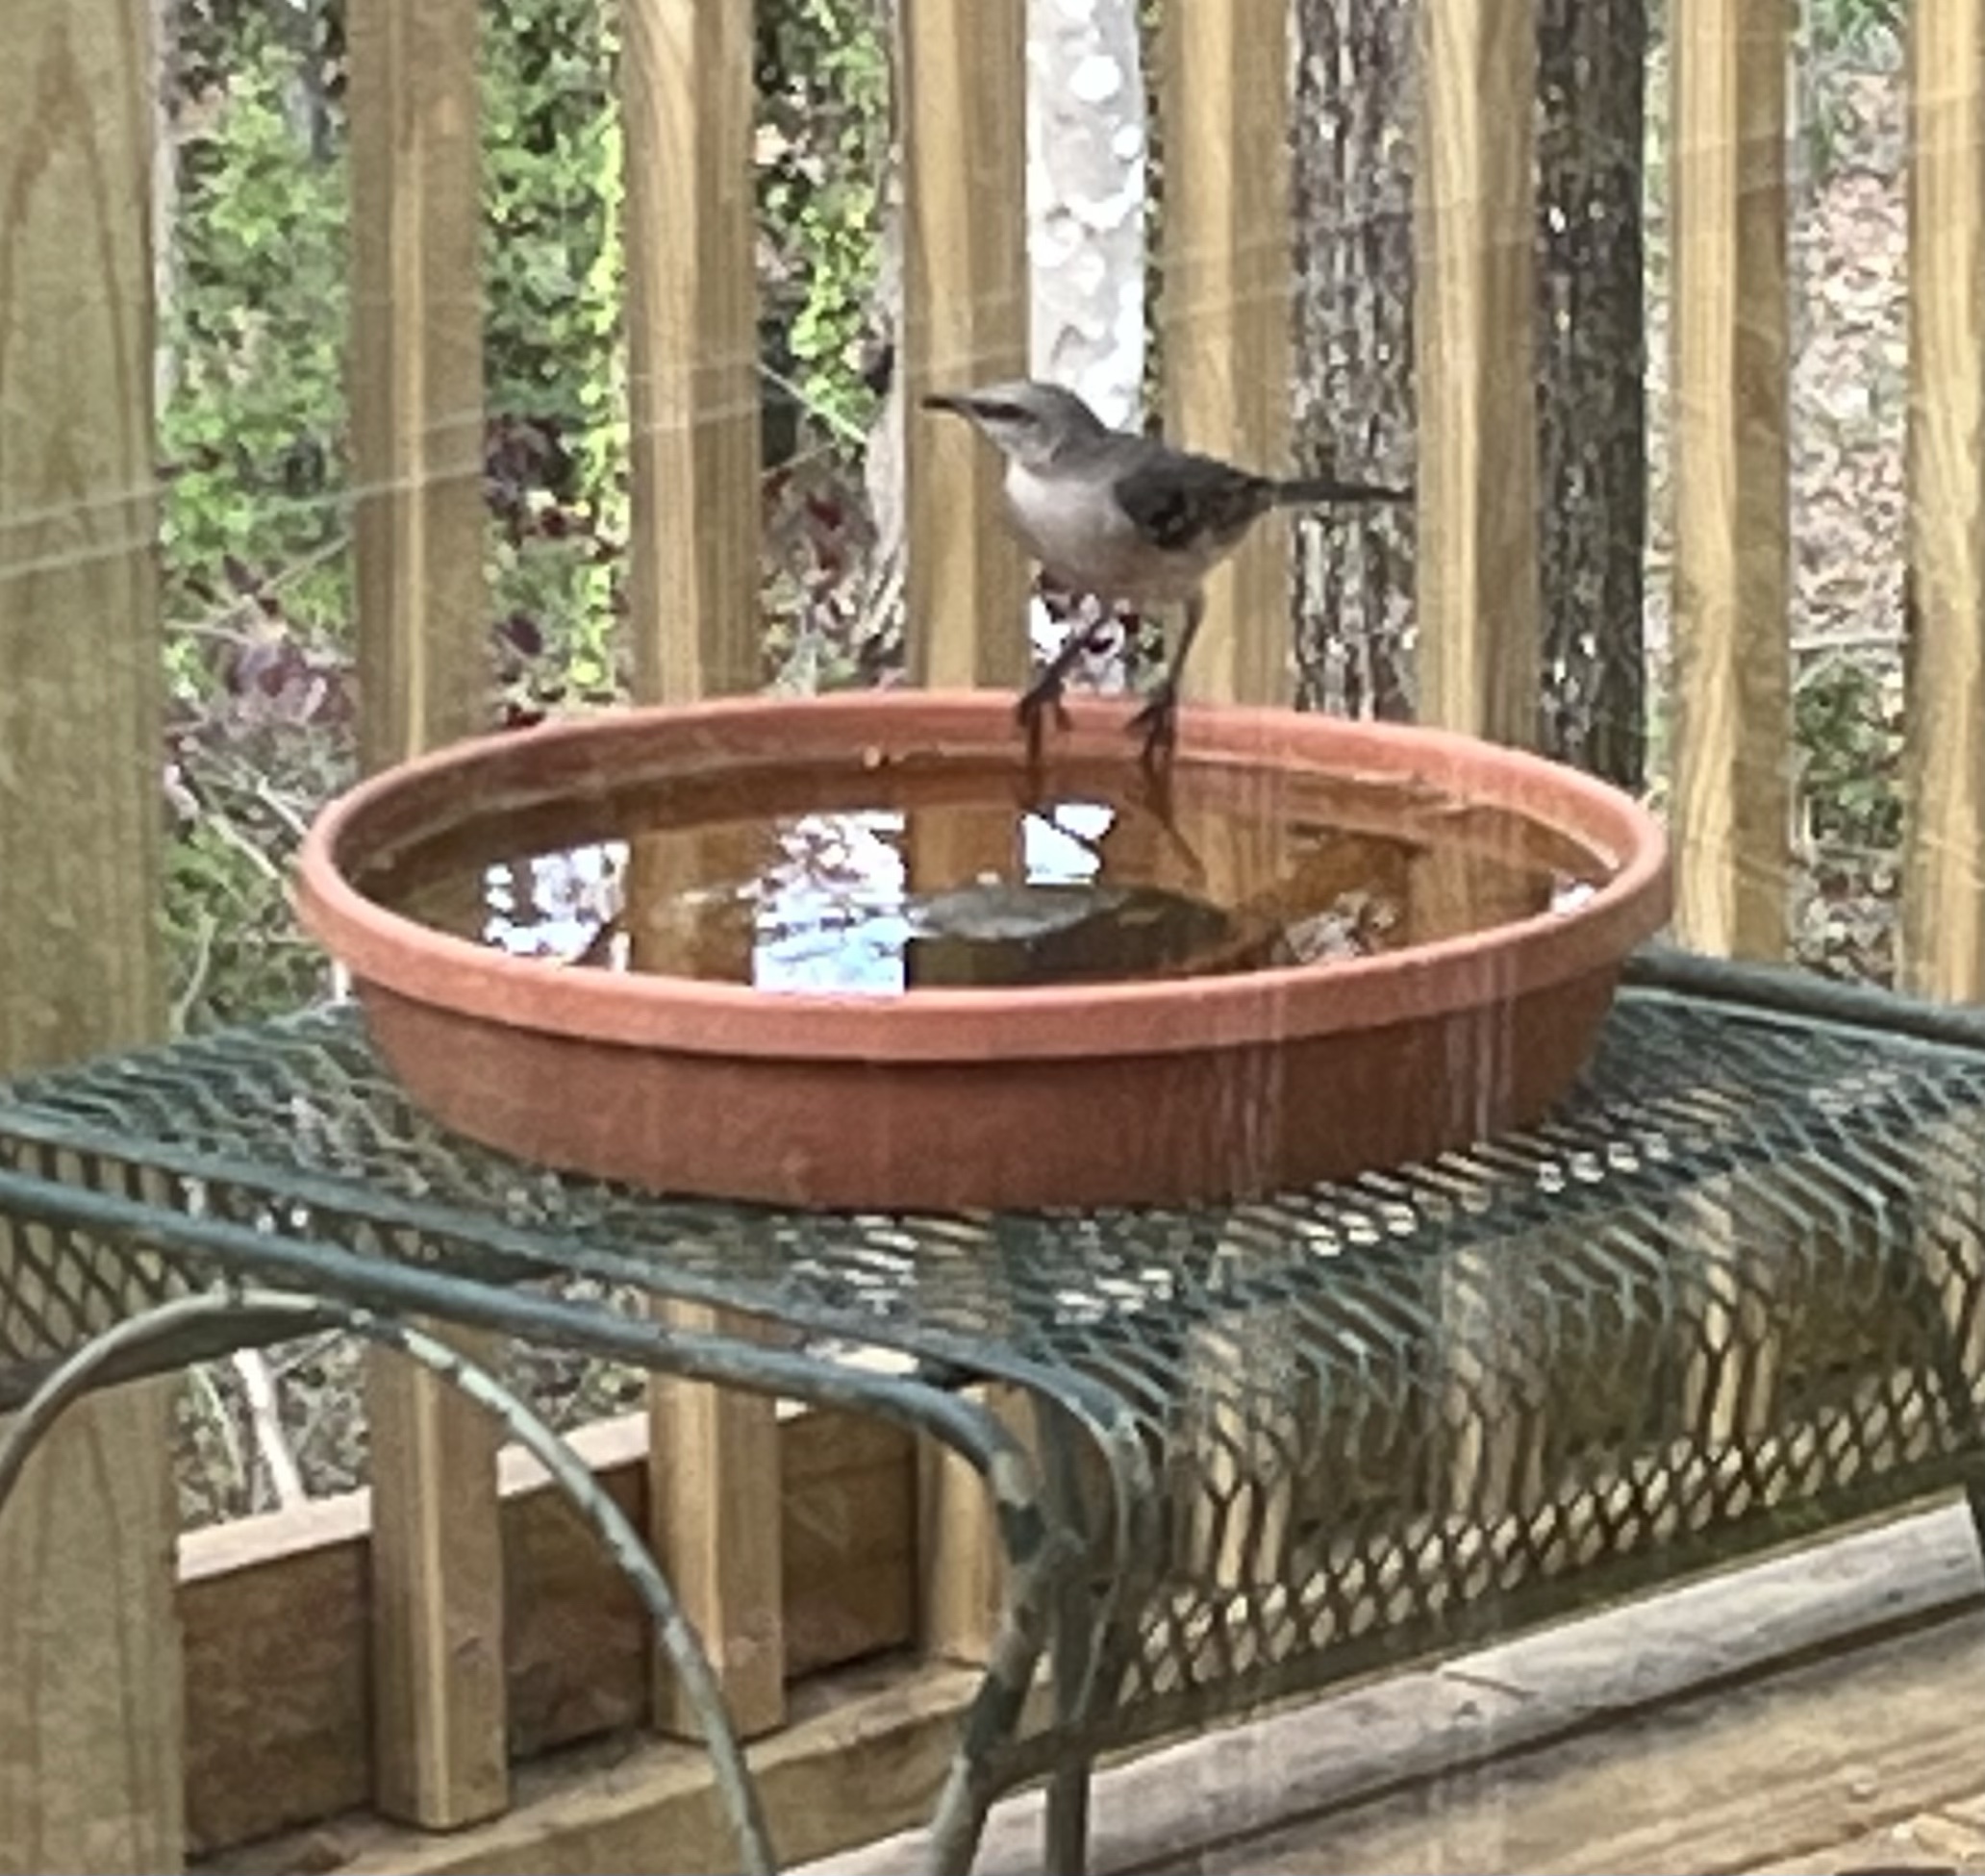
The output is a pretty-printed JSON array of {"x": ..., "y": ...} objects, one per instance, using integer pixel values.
[
  {"x": 962, "y": 65},
  {"x": 960, "y": 1569},
  {"x": 1474, "y": 229},
  {"x": 1943, "y": 950},
  {"x": 692, "y": 347},
  {"x": 1732, "y": 801},
  {"x": 417, "y": 376},
  {"x": 1733, "y": 686},
  {"x": 1474, "y": 308},
  {"x": 417, "y": 401},
  {"x": 714, "y": 1510},
  {"x": 1226, "y": 309},
  {"x": 1943, "y": 892},
  {"x": 91, "y": 1759},
  {"x": 692, "y": 367},
  {"x": 716, "y": 1500}
]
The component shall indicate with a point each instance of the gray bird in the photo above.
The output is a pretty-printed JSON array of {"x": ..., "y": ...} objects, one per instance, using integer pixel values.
[{"x": 1123, "y": 517}]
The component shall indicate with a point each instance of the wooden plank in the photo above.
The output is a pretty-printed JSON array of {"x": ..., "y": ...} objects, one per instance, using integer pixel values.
[
  {"x": 961, "y": 1566},
  {"x": 1731, "y": 817},
  {"x": 417, "y": 403},
  {"x": 714, "y": 1492},
  {"x": 693, "y": 585},
  {"x": 91, "y": 1733},
  {"x": 1943, "y": 910},
  {"x": 1732, "y": 802},
  {"x": 964, "y": 75},
  {"x": 274, "y": 1611},
  {"x": 1474, "y": 308},
  {"x": 1673, "y": 1666},
  {"x": 1952, "y": 1839},
  {"x": 1943, "y": 922},
  {"x": 417, "y": 376},
  {"x": 959, "y": 1571},
  {"x": 714, "y": 1487},
  {"x": 79, "y": 602},
  {"x": 864, "y": 1759},
  {"x": 847, "y": 1540},
  {"x": 1475, "y": 225},
  {"x": 692, "y": 347},
  {"x": 438, "y": 1751},
  {"x": 1226, "y": 309},
  {"x": 1741, "y": 1777}
]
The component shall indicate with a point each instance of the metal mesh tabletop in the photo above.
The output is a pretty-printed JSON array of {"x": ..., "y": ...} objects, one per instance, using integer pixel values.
[{"x": 1731, "y": 1289}]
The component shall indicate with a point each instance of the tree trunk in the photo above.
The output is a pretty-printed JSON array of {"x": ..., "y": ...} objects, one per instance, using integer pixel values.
[
  {"x": 1356, "y": 100},
  {"x": 1356, "y": 97},
  {"x": 1591, "y": 352}
]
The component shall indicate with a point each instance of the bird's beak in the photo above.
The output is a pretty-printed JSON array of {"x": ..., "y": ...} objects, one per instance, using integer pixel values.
[{"x": 955, "y": 401}]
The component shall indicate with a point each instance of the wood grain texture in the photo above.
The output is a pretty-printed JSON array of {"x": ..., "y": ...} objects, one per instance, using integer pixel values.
[
  {"x": 90, "y": 1737},
  {"x": 1474, "y": 346},
  {"x": 713, "y": 1466},
  {"x": 693, "y": 348},
  {"x": 1943, "y": 910},
  {"x": 864, "y": 1759},
  {"x": 440, "y": 1723},
  {"x": 275, "y": 1610},
  {"x": 961, "y": 1564},
  {"x": 1743, "y": 1777},
  {"x": 416, "y": 404},
  {"x": 1225, "y": 310},
  {"x": 417, "y": 375},
  {"x": 962, "y": 66},
  {"x": 1732, "y": 800},
  {"x": 713, "y": 1517}
]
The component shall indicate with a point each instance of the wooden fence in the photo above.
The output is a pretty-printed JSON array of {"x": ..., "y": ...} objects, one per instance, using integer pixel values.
[{"x": 400, "y": 1656}]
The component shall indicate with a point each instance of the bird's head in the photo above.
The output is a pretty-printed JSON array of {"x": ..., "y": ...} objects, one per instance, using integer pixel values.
[{"x": 1027, "y": 420}]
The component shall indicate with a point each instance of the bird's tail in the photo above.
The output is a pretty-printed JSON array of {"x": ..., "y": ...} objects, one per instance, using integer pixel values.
[{"x": 1300, "y": 491}]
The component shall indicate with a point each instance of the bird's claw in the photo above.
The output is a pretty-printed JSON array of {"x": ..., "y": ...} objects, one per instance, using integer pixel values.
[{"x": 1158, "y": 723}]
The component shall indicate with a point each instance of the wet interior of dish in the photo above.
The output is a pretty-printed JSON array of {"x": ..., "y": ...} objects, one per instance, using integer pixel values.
[{"x": 874, "y": 877}]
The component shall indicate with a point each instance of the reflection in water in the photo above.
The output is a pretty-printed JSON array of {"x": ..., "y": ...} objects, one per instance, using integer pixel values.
[{"x": 901, "y": 880}]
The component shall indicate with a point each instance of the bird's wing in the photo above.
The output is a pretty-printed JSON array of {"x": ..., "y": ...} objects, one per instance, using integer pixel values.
[{"x": 1179, "y": 499}]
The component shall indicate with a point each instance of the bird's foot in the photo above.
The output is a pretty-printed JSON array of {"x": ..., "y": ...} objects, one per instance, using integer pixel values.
[
  {"x": 1158, "y": 723},
  {"x": 1042, "y": 695}
]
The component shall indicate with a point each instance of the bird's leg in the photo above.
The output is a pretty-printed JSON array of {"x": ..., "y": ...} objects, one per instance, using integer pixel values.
[
  {"x": 1159, "y": 717},
  {"x": 1046, "y": 692}
]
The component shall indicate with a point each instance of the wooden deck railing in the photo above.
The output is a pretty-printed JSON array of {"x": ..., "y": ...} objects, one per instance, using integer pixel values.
[{"x": 400, "y": 1654}]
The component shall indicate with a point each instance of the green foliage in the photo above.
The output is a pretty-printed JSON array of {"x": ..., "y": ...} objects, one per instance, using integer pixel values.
[
  {"x": 824, "y": 73},
  {"x": 1854, "y": 29},
  {"x": 257, "y": 582},
  {"x": 1846, "y": 724},
  {"x": 1842, "y": 40},
  {"x": 255, "y": 432},
  {"x": 553, "y": 262},
  {"x": 252, "y": 430}
]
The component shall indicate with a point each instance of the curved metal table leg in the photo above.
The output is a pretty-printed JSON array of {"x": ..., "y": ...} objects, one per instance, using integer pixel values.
[
  {"x": 1036, "y": 1553},
  {"x": 115, "y": 1347}
]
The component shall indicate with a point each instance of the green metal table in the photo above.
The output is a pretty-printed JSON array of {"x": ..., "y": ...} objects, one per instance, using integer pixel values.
[{"x": 1728, "y": 1295}]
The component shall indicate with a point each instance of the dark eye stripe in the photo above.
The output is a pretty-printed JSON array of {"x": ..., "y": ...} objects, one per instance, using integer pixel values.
[{"x": 1002, "y": 413}]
